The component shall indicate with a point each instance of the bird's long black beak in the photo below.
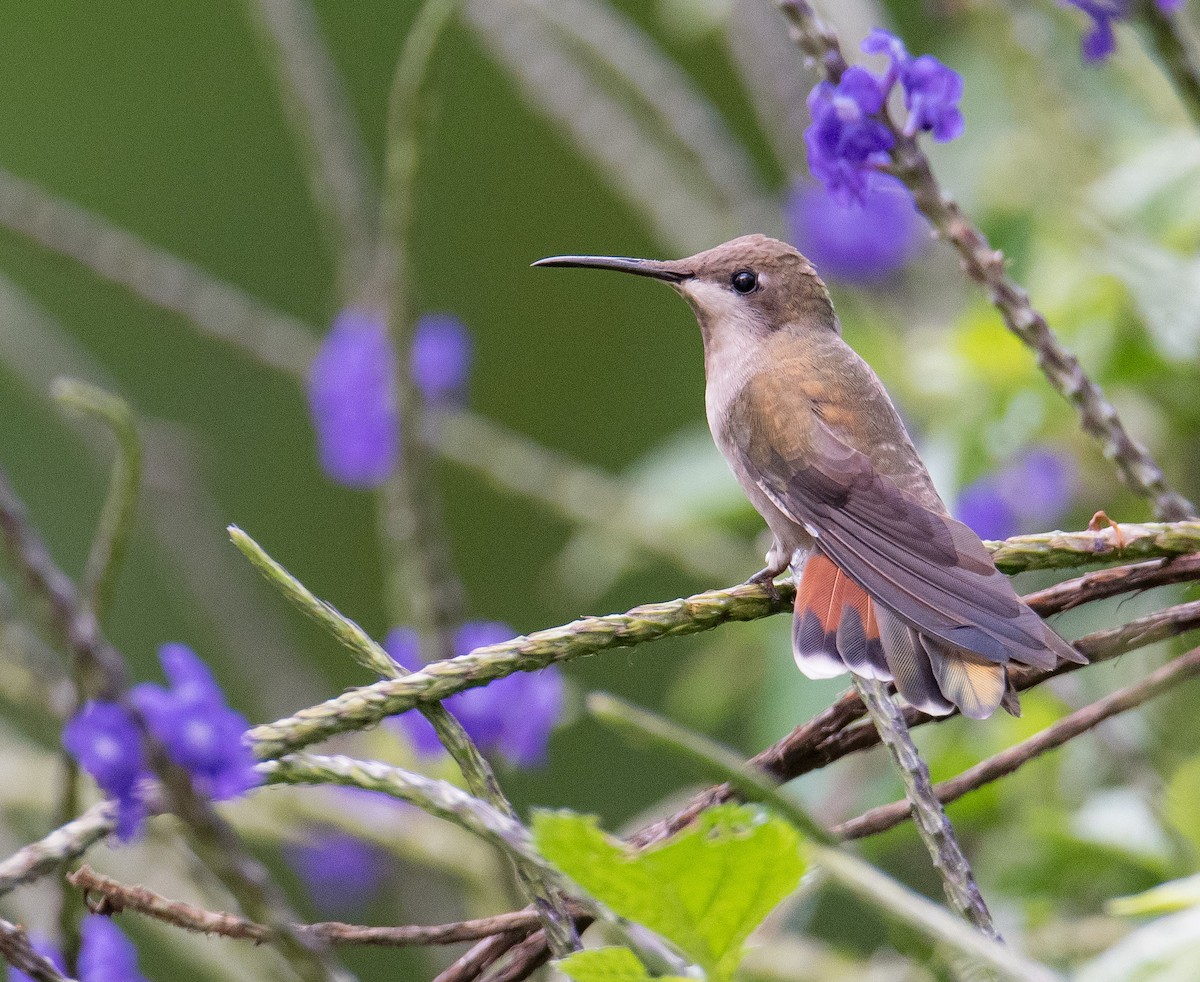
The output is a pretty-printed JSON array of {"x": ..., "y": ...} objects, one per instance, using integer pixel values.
[{"x": 668, "y": 270}]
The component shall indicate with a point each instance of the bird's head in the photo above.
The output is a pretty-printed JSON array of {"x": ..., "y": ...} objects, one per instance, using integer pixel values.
[{"x": 749, "y": 288}]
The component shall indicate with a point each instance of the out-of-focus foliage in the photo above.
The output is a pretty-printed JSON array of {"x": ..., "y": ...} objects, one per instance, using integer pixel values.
[{"x": 633, "y": 127}]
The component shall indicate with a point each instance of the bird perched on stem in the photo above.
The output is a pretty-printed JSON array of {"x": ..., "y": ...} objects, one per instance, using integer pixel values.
[{"x": 889, "y": 585}]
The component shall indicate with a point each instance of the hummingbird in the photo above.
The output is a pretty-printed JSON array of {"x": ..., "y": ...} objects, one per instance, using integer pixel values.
[{"x": 888, "y": 585}]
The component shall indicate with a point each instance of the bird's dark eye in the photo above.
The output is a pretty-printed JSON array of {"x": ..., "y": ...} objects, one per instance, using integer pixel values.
[{"x": 744, "y": 281}]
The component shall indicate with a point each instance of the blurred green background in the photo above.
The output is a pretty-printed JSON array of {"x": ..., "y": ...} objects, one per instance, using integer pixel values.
[{"x": 167, "y": 120}]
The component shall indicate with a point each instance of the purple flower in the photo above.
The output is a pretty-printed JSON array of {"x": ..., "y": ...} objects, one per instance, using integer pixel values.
[
  {"x": 1031, "y": 492},
  {"x": 881, "y": 42},
  {"x": 845, "y": 141},
  {"x": 342, "y": 872},
  {"x": 106, "y": 742},
  {"x": 47, "y": 950},
  {"x": 351, "y": 397},
  {"x": 985, "y": 510},
  {"x": 440, "y": 359},
  {"x": 1040, "y": 484},
  {"x": 931, "y": 93},
  {"x": 932, "y": 90},
  {"x": 1100, "y": 42},
  {"x": 106, "y": 955},
  {"x": 855, "y": 242},
  {"x": 198, "y": 730},
  {"x": 511, "y": 716}
]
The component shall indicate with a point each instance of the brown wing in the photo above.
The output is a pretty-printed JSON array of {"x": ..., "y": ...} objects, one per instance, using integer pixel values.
[{"x": 931, "y": 570}]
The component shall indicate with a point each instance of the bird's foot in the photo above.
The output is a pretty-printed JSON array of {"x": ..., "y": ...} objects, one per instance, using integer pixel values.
[{"x": 766, "y": 577}]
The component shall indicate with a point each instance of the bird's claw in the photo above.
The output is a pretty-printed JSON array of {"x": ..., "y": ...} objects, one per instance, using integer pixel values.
[{"x": 766, "y": 578}]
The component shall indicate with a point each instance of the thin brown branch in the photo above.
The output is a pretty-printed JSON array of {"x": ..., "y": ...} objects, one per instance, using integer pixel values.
[
  {"x": 102, "y": 665},
  {"x": 19, "y": 953},
  {"x": 1004, "y": 763},
  {"x": 116, "y": 897},
  {"x": 1102, "y": 584},
  {"x": 985, "y": 264},
  {"x": 483, "y": 955}
]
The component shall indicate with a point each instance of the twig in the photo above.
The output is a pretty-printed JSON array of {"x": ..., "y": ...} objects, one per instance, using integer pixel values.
[
  {"x": 75, "y": 622},
  {"x": 62, "y": 845},
  {"x": 436, "y": 797},
  {"x": 958, "y": 879},
  {"x": 479, "y": 774},
  {"x": 365, "y": 706},
  {"x": 1004, "y": 763},
  {"x": 105, "y": 557},
  {"x": 117, "y": 514},
  {"x": 119, "y": 897},
  {"x": 18, "y": 952},
  {"x": 481, "y": 956},
  {"x": 1104, "y": 583},
  {"x": 323, "y": 122},
  {"x": 985, "y": 265},
  {"x": 420, "y": 583},
  {"x": 1173, "y": 55},
  {"x": 159, "y": 277}
]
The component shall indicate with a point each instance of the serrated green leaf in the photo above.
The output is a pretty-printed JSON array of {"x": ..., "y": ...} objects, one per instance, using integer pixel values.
[
  {"x": 704, "y": 890},
  {"x": 608, "y": 965}
]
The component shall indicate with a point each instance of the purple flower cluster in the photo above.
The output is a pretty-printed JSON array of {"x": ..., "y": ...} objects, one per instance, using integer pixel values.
[
  {"x": 512, "y": 716},
  {"x": 351, "y": 390},
  {"x": 1100, "y": 42},
  {"x": 856, "y": 242},
  {"x": 847, "y": 140},
  {"x": 197, "y": 729},
  {"x": 105, "y": 954},
  {"x": 1033, "y": 491}
]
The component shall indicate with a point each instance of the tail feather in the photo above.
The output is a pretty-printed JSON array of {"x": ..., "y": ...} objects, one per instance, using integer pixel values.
[
  {"x": 975, "y": 685},
  {"x": 839, "y": 627},
  {"x": 910, "y": 665},
  {"x": 835, "y": 627}
]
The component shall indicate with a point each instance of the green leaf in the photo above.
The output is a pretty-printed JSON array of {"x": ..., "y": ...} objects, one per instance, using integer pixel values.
[
  {"x": 704, "y": 890},
  {"x": 608, "y": 965},
  {"x": 1166, "y": 898}
]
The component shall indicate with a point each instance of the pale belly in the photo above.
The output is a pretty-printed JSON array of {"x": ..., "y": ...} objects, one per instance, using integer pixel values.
[{"x": 792, "y": 542}]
